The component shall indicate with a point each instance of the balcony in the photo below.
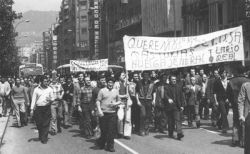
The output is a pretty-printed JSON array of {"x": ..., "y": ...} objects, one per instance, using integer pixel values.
[{"x": 123, "y": 23}]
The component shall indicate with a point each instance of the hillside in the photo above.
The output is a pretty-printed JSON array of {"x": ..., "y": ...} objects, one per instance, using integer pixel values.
[{"x": 40, "y": 21}]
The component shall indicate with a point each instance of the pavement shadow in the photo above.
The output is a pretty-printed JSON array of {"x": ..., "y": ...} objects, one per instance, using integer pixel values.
[
  {"x": 224, "y": 142},
  {"x": 33, "y": 140},
  {"x": 77, "y": 133}
]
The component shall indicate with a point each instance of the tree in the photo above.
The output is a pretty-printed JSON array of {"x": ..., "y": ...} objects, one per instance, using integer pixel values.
[{"x": 9, "y": 60}]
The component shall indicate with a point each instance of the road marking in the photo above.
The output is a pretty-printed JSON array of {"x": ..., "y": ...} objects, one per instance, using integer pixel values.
[
  {"x": 126, "y": 147},
  {"x": 210, "y": 131}
]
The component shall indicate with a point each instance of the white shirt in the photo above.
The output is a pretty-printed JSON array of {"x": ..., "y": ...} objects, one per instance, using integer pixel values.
[{"x": 41, "y": 97}]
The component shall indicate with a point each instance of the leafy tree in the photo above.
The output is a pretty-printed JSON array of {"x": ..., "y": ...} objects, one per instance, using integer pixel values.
[{"x": 9, "y": 60}]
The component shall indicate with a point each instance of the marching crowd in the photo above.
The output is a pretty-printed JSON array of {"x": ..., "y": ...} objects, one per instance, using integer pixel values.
[{"x": 111, "y": 105}]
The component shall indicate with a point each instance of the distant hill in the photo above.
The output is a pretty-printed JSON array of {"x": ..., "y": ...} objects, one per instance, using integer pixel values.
[{"x": 40, "y": 21}]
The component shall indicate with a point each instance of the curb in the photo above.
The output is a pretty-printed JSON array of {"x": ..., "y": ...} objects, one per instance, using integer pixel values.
[{"x": 5, "y": 127}]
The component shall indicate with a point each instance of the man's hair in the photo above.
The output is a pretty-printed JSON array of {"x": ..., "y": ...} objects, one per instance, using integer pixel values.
[
  {"x": 43, "y": 77},
  {"x": 110, "y": 79},
  {"x": 170, "y": 76},
  {"x": 101, "y": 77}
]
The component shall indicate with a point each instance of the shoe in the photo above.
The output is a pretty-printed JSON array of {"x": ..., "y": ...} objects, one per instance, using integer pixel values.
[
  {"x": 198, "y": 124},
  {"x": 171, "y": 135},
  {"x": 110, "y": 149},
  {"x": 53, "y": 133},
  {"x": 120, "y": 136},
  {"x": 44, "y": 142},
  {"x": 162, "y": 132},
  {"x": 127, "y": 137},
  {"x": 101, "y": 146},
  {"x": 179, "y": 136},
  {"x": 190, "y": 124},
  {"x": 141, "y": 134},
  {"x": 224, "y": 131}
]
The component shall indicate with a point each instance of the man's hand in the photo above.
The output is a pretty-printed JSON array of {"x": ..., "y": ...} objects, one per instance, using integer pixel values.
[
  {"x": 216, "y": 103},
  {"x": 31, "y": 113},
  {"x": 242, "y": 118},
  {"x": 170, "y": 101},
  {"x": 182, "y": 108},
  {"x": 100, "y": 114},
  {"x": 139, "y": 103},
  {"x": 153, "y": 102},
  {"x": 79, "y": 109}
]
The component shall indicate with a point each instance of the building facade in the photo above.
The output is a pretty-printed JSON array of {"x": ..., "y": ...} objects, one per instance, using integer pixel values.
[
  {"x": 73, "y": 31},
  {"x": 138, "y": 18},
  {"x": 204, "y": 16}
]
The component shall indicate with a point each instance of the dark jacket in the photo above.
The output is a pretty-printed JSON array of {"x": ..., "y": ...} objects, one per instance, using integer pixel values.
[
  {"x": 175, "y": 93},
  {"x": 220, "y": 91}
]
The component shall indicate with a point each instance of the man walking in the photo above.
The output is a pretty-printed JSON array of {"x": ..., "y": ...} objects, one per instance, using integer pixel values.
[
  {"x": 145, "y": 95},
  {"x": 56, "y": 107},
  {"x": 19, "y": 97},
  {"x": 174, "y": 98},
  {"x": 85, "y": 107},
  {"x": 107, "y": 103},
  {"x": 41, "y": 108},
  {"x": 244, "y": 116},
  {"x": 124, "y": 111}
]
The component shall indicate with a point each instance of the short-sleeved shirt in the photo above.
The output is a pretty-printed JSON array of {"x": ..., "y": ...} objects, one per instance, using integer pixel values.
[{"x": 107, "y": 97}]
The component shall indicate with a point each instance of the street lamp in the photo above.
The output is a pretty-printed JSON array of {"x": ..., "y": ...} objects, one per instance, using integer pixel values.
[{"x": 22, "y": 21}]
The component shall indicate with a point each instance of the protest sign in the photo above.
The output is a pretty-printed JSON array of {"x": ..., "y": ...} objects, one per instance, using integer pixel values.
[
  {"x": 90, "y": 65},
  {"x": 152, "y": 53}
]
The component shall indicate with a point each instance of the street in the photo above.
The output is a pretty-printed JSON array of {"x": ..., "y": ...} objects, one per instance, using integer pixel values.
[{"x": 205, "y": 140}]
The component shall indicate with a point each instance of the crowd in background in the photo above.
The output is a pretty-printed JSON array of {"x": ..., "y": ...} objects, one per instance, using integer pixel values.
[{"x": 112, "y": 105}]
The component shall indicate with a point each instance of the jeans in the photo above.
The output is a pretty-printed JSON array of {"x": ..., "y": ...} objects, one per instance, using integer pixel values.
[
  {"x": 68, "y": 112},
  {"x": 193, "y": 113},
  {"x": 56, "y": 115},
  {"x": 19, "y": 107},
  {"x": 204, "y": 105},
  {"x": 145, "y": 115}
]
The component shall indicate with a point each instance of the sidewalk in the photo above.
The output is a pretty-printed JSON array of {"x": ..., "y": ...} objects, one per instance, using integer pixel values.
[{"x": 3, "y": 124}]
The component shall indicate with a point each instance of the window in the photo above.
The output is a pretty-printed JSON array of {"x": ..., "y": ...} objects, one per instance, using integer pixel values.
[
  {"x": 84, "y": 18},
  {"x": 220, "y": 13},
  {"x": 83, "y": 5},
  {"x": 84, "y": 30}
]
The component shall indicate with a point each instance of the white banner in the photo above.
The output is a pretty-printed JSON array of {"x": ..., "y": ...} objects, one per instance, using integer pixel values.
[
  {"x": 153, "y": 53},
  {"x": 90, "y": 65}
]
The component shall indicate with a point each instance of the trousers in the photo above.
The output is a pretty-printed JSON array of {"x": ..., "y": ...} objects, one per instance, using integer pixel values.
[
  {"x": 145, "y": 115},
  {"x": 174, "y": 118},
  {"x": 223, "y": 112},
  {"x": 68, "y": 112},
  {"x": 124, "y": 120},
  {"x": 108, "y": 127},
  {"x": 56, "y": 115},
  {"x": 19, "y": 108},
  {"x": 204, "y": 106},
  {"x": 42, "y": 116},
  {"x": 86, "y": 119},
  {"x": 193, "y": 113},
  {"x": 135, "y": 115}
]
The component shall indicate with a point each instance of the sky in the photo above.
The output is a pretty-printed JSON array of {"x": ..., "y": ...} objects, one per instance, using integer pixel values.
[{"x": 40, "y": 5}]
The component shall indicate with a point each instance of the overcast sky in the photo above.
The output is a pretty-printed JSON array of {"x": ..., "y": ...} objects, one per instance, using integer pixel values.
[{"x": 41, "y": 5}]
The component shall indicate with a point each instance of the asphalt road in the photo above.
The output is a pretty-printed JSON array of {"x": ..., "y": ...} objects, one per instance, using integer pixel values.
[{"x": 206, "y": 140}]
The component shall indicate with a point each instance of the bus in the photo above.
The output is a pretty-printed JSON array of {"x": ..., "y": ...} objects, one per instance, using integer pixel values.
[{"x": 30, "y": 69}]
